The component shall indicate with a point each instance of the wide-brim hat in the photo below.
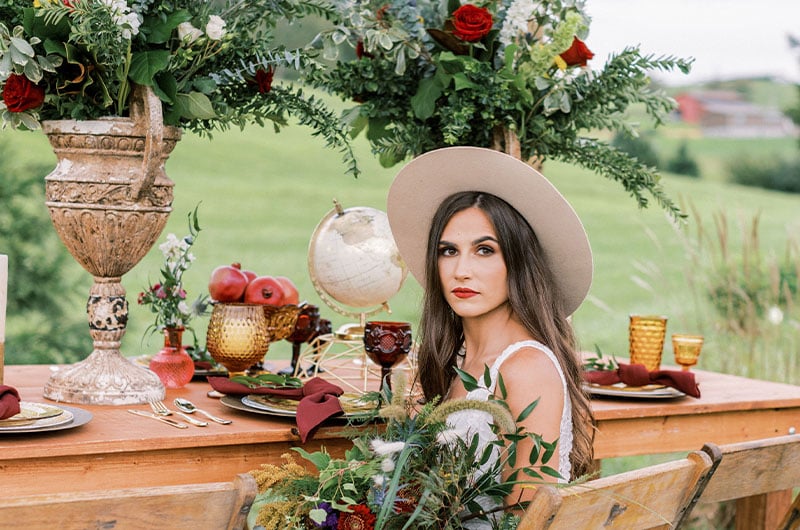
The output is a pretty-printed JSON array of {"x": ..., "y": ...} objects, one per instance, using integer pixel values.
[{"x": 422, "y": 184}]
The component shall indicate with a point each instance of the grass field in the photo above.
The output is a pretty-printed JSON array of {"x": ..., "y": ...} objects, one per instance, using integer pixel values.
[{"x": 261, "y": 195}]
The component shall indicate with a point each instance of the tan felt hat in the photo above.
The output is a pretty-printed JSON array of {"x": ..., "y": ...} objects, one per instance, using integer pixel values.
[{"x": 422, "y": 184}]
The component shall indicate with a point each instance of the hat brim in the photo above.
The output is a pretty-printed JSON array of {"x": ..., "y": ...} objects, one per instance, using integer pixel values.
[{"x": 422, "y": 184}]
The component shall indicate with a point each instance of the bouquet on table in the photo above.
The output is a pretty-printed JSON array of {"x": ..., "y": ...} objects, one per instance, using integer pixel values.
[
  {"x": 167, "y": 297},
  {"x": 212, "y": 64},
  {"x": 510, "y": 75},
  {"x": 414, "y": 471}
]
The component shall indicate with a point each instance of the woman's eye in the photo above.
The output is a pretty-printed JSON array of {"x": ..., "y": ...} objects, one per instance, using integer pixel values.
[
  {"x": 447, "y": 251},
  {"x": 485, "y": 251}
]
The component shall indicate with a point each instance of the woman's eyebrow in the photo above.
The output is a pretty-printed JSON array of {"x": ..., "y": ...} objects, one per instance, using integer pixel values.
[{"x": 484, "y": 238}]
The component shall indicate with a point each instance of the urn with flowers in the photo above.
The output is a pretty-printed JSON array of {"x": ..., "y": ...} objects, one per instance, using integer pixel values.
[{"x": 112, "y": 83}]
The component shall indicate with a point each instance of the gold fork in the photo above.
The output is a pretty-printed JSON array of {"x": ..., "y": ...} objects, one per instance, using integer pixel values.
[{"x": 162, "y": 410}]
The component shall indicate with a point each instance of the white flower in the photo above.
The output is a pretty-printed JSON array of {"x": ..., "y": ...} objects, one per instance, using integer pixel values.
[
  {"x": 382, "y": 448},
  {"x": 172, "y": 248},
  {"x": 120, "y": 13},
  {"x": 774, "y": 315},
  {"x": 215, "y": 29},
  {"x": 387, "y": 465},
  {"x": 183, "y": 308},
  {"x": 378, "y": 480},
  {"x": 188, "y": 33},
  {"x": 515, "y": 24}
]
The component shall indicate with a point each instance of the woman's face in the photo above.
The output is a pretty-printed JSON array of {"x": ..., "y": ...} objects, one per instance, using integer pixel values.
[{"x": 471, "y": 266}]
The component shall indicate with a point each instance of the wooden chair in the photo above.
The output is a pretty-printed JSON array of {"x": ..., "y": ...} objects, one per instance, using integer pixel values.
[
  {"x": 760, "y": 474},
  {"x": 658, "y": 496},
  {"x": 215, "y": 505}
]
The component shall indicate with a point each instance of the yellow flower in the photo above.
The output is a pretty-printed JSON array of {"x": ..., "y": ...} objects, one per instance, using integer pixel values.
[{"x": 561, "y": 63}]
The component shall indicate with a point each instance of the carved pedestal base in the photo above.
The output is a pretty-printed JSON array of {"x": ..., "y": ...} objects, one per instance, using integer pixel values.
[{"x": 106, "y": 377}]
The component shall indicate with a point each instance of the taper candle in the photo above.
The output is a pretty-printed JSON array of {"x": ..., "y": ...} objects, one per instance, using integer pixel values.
[{"x": 3, "y": 299}]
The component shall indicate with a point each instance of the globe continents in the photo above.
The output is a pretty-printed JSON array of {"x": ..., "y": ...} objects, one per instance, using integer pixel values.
[{"x": 353, "y": 258}]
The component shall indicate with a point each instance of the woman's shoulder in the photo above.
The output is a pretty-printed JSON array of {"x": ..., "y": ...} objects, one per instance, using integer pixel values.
[{"x": 528, "y": 360}]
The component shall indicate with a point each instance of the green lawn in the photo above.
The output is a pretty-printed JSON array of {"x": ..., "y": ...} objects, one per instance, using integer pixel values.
[{"x": 261, "y": 194}]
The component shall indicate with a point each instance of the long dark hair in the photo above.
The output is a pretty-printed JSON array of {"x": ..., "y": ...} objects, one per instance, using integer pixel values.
[{"x": 533, "y": 297}]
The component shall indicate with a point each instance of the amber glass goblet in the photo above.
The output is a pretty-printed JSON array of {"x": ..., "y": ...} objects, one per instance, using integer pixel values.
[
  {"x": 686, "y": 349},
  {"x": 237, "y": 336},
  {"x": 387, "y": 344}
]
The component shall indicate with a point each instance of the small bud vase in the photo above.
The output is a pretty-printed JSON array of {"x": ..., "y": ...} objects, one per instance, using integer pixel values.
[{"x": 172, "y": 364}]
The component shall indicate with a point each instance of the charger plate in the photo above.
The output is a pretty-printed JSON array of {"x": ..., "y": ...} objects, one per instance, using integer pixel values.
[
  {"x": 276, "y": 406},
  {"x": 35, "y": 416},
  {"x": 634, "y": 392}
]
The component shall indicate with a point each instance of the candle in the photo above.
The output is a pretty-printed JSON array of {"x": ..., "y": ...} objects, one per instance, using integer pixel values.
[{"x": 3, "y": 299}]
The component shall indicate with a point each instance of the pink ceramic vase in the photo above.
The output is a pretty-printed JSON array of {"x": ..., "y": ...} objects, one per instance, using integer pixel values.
[{"x": 172, "y": 364}]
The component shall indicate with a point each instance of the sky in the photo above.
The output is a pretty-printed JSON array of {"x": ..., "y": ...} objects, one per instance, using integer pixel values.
[{"x": 727, "y": 38}]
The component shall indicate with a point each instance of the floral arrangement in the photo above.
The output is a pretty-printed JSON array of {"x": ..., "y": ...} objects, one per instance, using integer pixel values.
[
  {"x": 414, "y": 471},
  {"x": 212, "y": 64},
  {"x": 167, "y": 298},
  {"x": 511, "y": 75}
]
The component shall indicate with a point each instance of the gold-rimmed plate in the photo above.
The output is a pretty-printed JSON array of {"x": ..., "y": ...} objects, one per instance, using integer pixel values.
[
  {"x": 34, "y": 416},
  {"x": 635, "y": 392},
  {"x": 69, "y": 418},
  {"x": 351, "y": 403}
]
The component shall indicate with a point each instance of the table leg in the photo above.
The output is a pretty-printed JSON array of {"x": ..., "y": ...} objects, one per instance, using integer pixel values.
[{"x": 762, "y": 512}]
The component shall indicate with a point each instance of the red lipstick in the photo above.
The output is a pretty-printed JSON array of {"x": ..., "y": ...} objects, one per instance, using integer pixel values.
[{"x": 463, "y": 292}]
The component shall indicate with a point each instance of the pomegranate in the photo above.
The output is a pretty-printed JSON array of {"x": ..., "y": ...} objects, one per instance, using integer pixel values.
[
  {"x": 290, "y": 293},
  {"x": 227, "y": 283},
  {"x": 264, "y": 290}
]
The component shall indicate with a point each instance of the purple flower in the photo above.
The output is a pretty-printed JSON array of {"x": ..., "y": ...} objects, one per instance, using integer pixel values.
[{"x": 332, "y": 520}]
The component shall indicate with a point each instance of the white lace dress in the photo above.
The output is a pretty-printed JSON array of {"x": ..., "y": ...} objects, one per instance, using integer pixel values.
[{"x": 472, "y": 422}]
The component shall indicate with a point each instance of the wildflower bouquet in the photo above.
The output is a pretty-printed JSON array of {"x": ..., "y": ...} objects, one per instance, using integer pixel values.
[
  {"x": 167, "y": 298},
  {"x": 509, "y": 75},
  {"x": 412, "y": 472},
  {"x": 212, "y": 63}
]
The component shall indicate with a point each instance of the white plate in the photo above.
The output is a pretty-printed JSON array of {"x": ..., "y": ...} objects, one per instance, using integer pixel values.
[{"x": 634, "y": 392}]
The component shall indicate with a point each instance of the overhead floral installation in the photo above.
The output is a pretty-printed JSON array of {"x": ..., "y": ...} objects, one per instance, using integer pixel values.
[
  {"x": 212, "y": 64},
  {"x": 510, "y": 74}
]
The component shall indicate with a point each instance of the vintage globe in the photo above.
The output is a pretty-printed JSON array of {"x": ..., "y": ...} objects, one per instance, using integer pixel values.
[{"x": 353, "y": 260}]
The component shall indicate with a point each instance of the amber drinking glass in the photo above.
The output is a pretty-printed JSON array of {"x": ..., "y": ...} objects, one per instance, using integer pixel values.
[
  {"x": 387, "y": 344},
  {"x": 237, "y": 336},
  {"x": 686, "y": 349},
  {"x": 646, "y": 336}
]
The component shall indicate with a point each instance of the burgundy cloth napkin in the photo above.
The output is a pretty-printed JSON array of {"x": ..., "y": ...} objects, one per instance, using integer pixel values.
[
  {"x": 9, "y": 402},
  {"x": 637, "y": 375},
  {"x": 319, "y": 400}
]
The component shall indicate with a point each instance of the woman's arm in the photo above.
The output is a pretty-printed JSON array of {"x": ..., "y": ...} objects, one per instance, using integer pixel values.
[{"x": 529, "y": 374}]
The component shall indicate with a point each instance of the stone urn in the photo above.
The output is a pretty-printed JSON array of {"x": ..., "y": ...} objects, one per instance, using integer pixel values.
[{"x": 109, "y": 200}]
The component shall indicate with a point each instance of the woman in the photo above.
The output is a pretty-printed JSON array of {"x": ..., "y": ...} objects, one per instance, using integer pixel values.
[{"x": 504, "y": 261}]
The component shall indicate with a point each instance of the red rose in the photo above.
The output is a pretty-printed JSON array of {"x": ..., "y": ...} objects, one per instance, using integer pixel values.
[
  {"x": 264, "y": 79},
  {"x": 578, "y": 53},
  {"x": 21, "y": 94},
  {"x": 471, "y": 23},
  {"x": 359, "y": 519}
]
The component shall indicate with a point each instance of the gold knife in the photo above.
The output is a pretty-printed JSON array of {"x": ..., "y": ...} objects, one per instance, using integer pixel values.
[{"x": 159, "y": 418}]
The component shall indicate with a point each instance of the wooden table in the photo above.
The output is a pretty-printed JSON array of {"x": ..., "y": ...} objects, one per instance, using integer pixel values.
[{"x": 117, "y": 449}]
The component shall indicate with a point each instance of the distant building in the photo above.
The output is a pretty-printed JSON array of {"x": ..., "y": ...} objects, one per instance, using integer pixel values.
[{"x": 725, "y": 114}]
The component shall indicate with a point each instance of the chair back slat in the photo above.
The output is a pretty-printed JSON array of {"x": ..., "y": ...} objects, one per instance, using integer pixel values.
[
  {"x": 218, "y": 505},
  {"x": 652, "y": 497},
  {"x": 755, "y": 468}
]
